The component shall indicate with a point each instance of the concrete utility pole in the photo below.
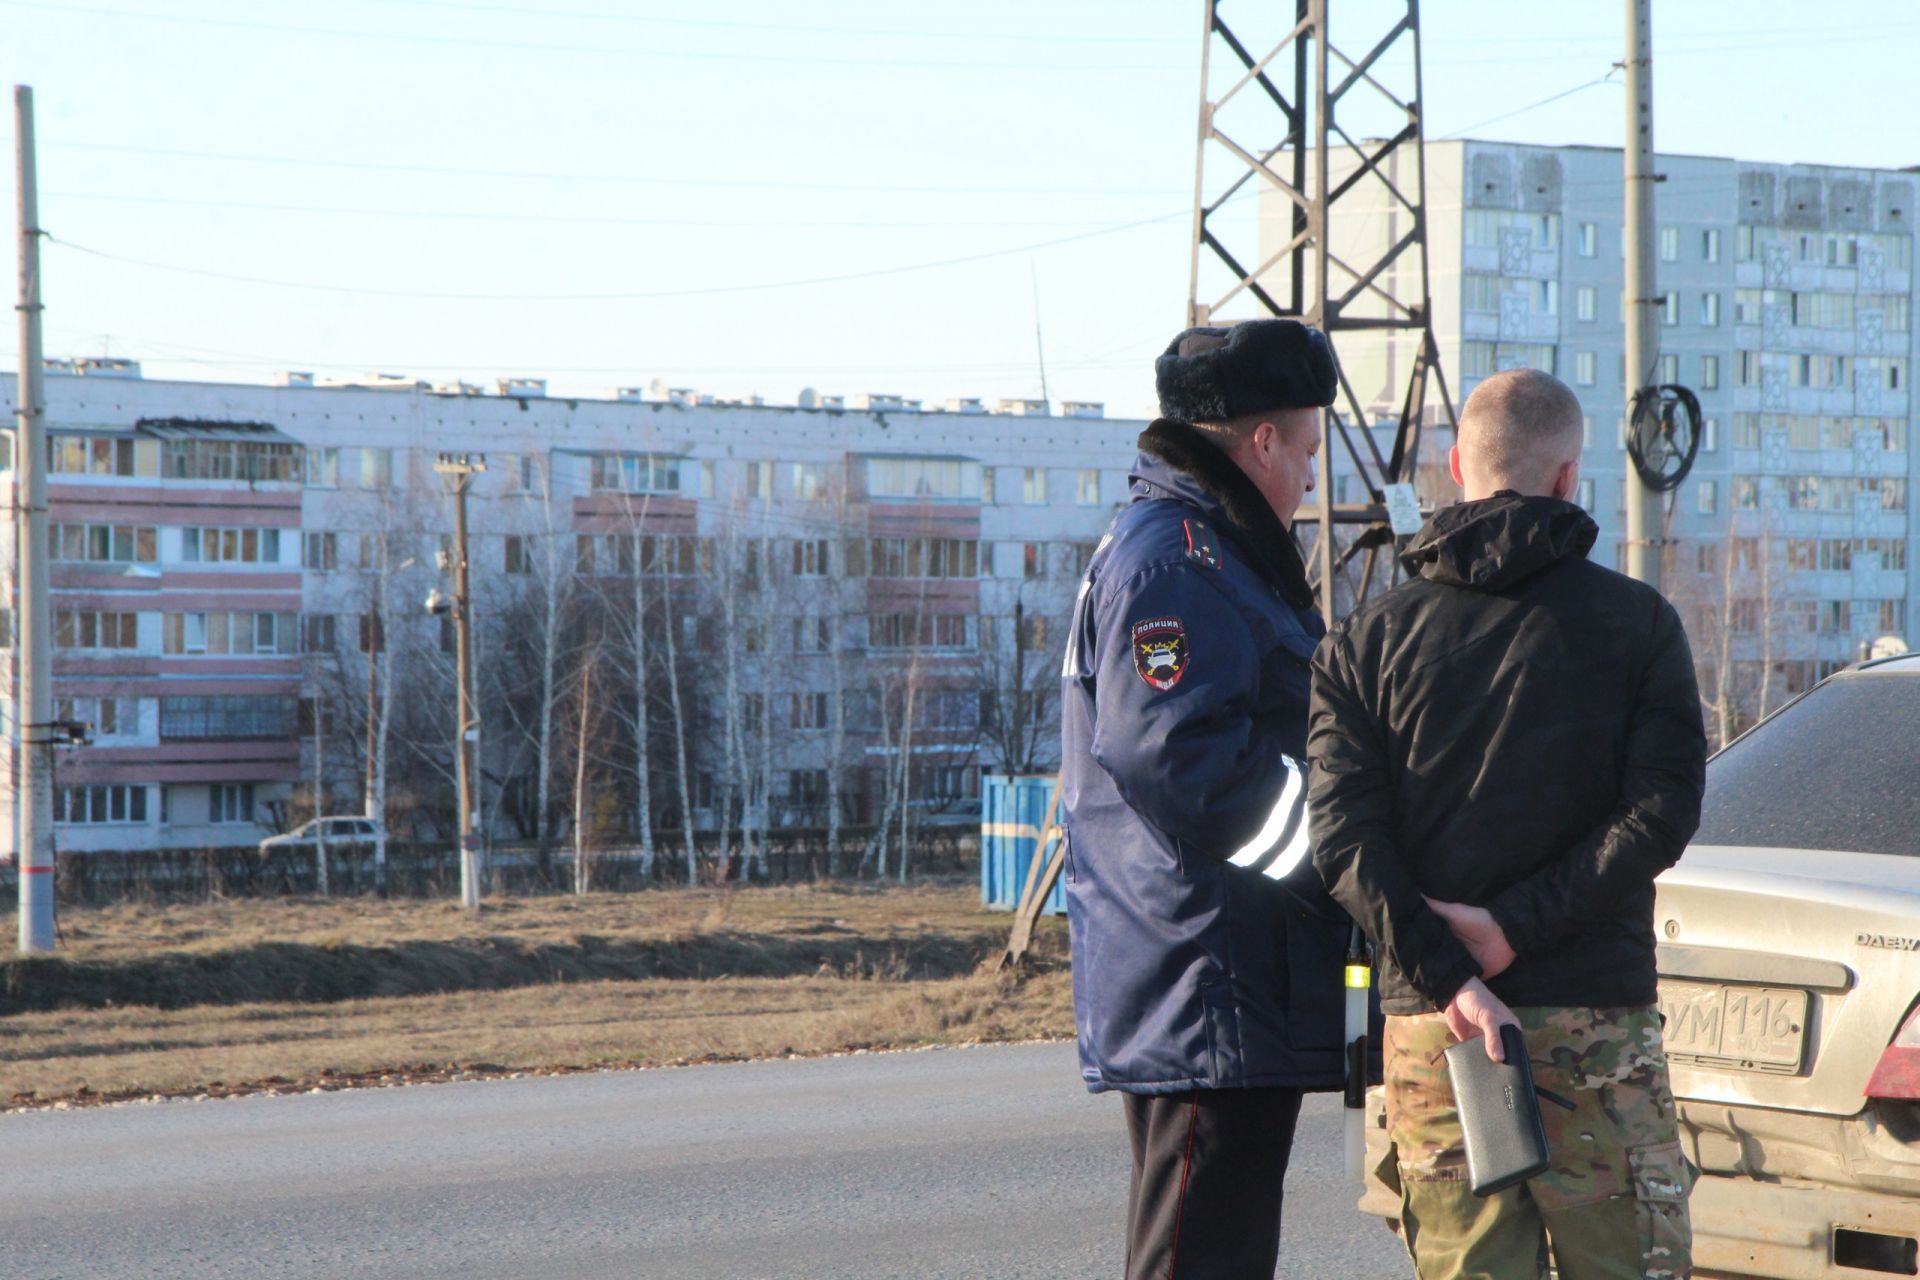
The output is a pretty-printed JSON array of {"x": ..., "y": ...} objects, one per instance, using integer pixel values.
[
  {"x": 1644, "y": 538},
  {"x": 462, "y": 467},
  {"x": 34, "y": 797}
]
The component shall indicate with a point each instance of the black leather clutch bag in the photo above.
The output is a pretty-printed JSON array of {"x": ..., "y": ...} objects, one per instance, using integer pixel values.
[{"x": 1506, "y": 1142}]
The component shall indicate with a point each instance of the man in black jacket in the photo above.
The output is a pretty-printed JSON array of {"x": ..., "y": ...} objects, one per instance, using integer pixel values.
[{"x": 1505, "y": 752}]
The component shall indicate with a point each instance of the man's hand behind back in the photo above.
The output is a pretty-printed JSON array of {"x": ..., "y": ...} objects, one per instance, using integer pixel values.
[
  {"x": 1479, "y": 932},
  {"x": 1476, "y": 1011}
]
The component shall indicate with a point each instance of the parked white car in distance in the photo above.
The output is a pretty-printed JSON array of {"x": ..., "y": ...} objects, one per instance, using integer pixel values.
[{"x": 341, "y": 831}]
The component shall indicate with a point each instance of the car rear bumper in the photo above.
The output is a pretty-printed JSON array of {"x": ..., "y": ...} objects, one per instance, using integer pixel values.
[{"x": 1787, "y": 1231}]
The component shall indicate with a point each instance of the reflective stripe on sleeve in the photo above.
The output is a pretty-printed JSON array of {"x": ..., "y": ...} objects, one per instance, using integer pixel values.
[{"x": 1282, "y": 843}]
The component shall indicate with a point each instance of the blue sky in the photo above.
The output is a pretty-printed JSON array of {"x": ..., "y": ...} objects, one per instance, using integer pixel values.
[{"x": 743, "y": 197}]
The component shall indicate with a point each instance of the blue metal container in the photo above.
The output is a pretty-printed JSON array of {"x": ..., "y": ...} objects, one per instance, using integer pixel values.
[{"x": 1012, "y": 813}]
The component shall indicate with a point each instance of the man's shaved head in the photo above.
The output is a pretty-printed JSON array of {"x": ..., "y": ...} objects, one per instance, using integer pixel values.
[{"x": 1519, "y": 430}]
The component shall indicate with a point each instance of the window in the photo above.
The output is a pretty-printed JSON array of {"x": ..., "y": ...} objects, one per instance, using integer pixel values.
[
  {"x": 207, "y": 719},
  {"x": 1709, "y": 373},
  {"x": 1710, "y": 309},
  {"x": 1706, "y": 558},
  {"x": 812, "y": 635},
  {"x": 230, "y": 546},
  {"x": 104, "y": 543},
  {"x": 99, "y": 805},
  {"x": 320, "y": 551},
  {"x": 372, "y": 634},
  {"x": 1033, "y": 633},
  {"x": 1586, "y": 431},
  {"x": 922, "y": 558},
  {"x": 1746, "y": 371},
  {"x": 917, "y": 630},
  {"x": 1545, "y": 297},
  {"x": 1587, "y": 244},
  {"x": 518, "y": 554},
  {"x": 809, "y": 711},
  {"x": 1480, "y": 293},
  {"x": 1670, "y": 308},
  {"x": 230, "y": 460},
  {"x": 987, "y": 486},
  {"x": 89, "y": 455},
  {"x": 1583, "y": 302},
  {"x": 1746, "y": 306},
  {"x": 230, "y": 802},
  {"x": 759, "y": 480},
  {"x": 1822, "y": 310},
  {"x": 806, "y": 787},
  {"x": 93, "y": 630},
  {"x": 1087, "y": 488},
  {"x": 1584, "y": 370},
  {"x": 323, "y": 467},
  {"x": 1710, "y": 245},
  {"x": 108, "y": 717},
  {"x": 923, "y": 478},
  {"x": 1033, "y": 486},
  {"x": 1669, "y": 244},
  {"x": 1710, "y": 433},
  {"x": 522, "y": 471},
  {"x": 1669, "y": 368},
  {"x": 376, "y": 468},
  {"x": 1707, "y": 497},
  {"x": 1033, "y": 559},
  {"x": 637, "y": 473},
  {"x": 1586, "y": 495},
  {"x": 810, "y": 558},
  {"x": 1746, "y": 493},
  {"x": 222, "y": 632},
  {"x": 810, "y": 481},
  {"x": 319, "y": 633}
]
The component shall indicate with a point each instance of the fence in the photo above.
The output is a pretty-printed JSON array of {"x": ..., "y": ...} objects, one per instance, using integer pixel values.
[{"x": 433, "y": 870}]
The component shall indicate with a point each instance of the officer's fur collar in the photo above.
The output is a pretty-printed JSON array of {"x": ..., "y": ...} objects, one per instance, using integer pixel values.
[{"x": 1252, "y": 524}]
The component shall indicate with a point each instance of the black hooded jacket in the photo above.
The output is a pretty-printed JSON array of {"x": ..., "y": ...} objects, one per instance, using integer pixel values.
[{"x": 1514, "y": 728}]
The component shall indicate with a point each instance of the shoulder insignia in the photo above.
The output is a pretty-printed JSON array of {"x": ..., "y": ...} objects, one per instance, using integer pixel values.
[
  {"x": 1160, "y": 651},
  {"x": 1201, "y": 548}
]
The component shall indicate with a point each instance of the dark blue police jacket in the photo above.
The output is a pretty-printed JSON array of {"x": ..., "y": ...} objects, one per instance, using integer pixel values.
[{"x": 1206, "y": 954}]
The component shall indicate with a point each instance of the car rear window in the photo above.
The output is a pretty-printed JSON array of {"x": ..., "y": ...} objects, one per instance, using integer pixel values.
[{"x": 1840, "y": 769}]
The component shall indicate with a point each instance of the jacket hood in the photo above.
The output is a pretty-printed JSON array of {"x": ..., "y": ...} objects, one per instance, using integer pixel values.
[
  {"x": 1493, "y": 543},
  {"x": 1177, "y": 461}
]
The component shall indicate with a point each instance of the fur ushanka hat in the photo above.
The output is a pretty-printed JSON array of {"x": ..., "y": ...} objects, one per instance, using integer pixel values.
[{"x": 1216, "y": 375}]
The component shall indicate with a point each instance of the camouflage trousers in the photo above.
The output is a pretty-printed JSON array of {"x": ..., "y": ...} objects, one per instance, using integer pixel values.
[{"x": 1614, "y": 1204}]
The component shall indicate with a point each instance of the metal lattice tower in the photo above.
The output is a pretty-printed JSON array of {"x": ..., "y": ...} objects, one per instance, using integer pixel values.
[{"x": 1279, "y": 155}]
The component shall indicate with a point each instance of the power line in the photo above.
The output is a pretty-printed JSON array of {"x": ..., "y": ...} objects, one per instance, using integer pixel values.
[
  {"x": 1564, "y": 93},
  {"x": 759, "y": 184},
  {"x": 474, "y": 215},
  {"x": 804, "y": 29},
  {"x": 443, "y": 40},
  {"x": 617, "y": 296}
]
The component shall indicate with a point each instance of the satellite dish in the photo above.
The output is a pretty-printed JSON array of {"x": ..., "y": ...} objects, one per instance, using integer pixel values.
[{"x": 1887, "y": 646}]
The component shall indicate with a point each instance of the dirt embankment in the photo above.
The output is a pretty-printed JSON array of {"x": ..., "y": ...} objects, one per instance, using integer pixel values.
[{"x": 238, "y": 997}]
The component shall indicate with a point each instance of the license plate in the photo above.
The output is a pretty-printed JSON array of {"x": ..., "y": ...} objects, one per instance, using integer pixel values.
[{"x": 1746, "y": 1028}]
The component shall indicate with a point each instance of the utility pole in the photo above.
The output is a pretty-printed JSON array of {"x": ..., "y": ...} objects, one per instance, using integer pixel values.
[
  {"x": 1645, "y": 541},
  {"x": 35, "y": 706},
  {"x": 462, "y": 467}
]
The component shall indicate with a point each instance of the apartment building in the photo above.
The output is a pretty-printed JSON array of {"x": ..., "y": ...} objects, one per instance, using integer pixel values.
[
  {"x": 1787, "y": 307},
  {"x": 227, "y": 560}
]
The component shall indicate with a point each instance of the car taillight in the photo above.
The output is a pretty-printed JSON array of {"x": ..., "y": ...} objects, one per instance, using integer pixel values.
[{"x": 1898, "y": 1073}]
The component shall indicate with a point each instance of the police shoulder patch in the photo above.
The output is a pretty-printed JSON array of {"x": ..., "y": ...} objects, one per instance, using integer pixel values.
[
  {"x": 1201, "y": 548},
  {"x": 1160, "y": 651}
]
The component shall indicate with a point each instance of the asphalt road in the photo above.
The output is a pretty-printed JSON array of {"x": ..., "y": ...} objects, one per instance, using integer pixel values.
[{"x": 987, "y": 1162}]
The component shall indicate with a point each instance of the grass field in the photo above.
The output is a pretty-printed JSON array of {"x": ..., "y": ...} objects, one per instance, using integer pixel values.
[{"x": 244, "y": 995}]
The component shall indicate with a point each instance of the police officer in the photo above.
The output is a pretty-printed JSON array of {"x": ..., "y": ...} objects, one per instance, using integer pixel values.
[{"x": 1206, "y": 955}]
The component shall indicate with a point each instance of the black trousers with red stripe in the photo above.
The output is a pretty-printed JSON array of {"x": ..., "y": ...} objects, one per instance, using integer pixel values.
[{"x": 1209, "y": 1169}]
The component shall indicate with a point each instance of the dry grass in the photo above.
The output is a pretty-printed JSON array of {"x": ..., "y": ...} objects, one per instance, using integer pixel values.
[{"x": 531, "y": 985}]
